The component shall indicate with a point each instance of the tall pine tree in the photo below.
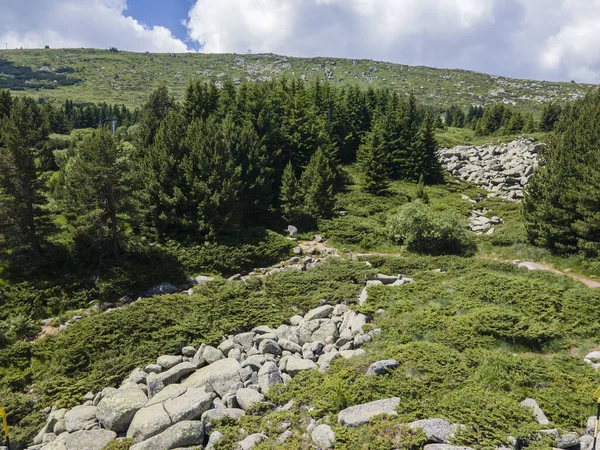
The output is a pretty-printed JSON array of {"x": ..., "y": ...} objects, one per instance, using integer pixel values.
[{"x": 372, "y": 159}]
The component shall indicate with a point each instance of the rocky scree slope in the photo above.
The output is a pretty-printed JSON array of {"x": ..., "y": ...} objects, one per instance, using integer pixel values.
[{"x": 502, "y": 169}]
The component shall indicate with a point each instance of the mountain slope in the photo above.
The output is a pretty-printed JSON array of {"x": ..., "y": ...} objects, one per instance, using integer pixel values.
[{"x": 89, "y": 75}]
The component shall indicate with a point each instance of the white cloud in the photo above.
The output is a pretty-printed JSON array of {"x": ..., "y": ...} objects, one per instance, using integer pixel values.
[
  {"x": 552, "y": 39},
  {"x": 80, "y": 23}
]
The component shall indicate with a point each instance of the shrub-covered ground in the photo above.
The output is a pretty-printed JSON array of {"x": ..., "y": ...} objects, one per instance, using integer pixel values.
[{"x": 473, "y": 340}]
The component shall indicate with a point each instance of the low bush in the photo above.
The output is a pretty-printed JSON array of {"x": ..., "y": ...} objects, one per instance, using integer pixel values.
[{"x": 423, "y": 230}]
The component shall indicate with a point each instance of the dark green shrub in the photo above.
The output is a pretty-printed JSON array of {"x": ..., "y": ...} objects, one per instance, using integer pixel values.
[{"x": 423, "y": 230}]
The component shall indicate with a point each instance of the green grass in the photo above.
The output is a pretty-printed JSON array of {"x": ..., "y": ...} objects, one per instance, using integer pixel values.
[
  {"x": 129, "y": 78},
  {"x": 452, "y": 137}
]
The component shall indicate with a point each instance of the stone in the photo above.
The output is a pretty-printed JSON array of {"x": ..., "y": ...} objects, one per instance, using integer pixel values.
[
  {"x": 226, "y": 346},
  {"x": 190, "y": 405},
  {"x": 251, "y": 441},
  {"x": 60, "y": 427},
  {"x": 214, "y": 438},
  {"x": 386, "y": 279},
  {"x": 217, "y": 414},
  {"x": 246, "y": 340},
  {"x": 269, "y": 346},
  {"x": 154, "y": 385},
  {"x": 212, "y": 355},
  {"x": 292, "y": 230},
  {"x": 328, "y": 328},
  {"x": 171, "y": 391},
  {"x": 297, "y": 251},
  {"x": 323, "y": 436},
  {"x": 201, "y": 279},
  {"x": 382, "y": 367},
  {"x": 224, "y": 369},
  {"x": 116, "y": 412},
  {"x": 358, "y": 322},
  {"x": 148, "y": 422},
  {"x": 296, "y": 320},
  {"x": 269, "y": 376},
  {"x": 153, "y": 368},
  {"x": 321, "y": 312},
  {"x": 254, "y": 361},
  {"x": 590, "y": 425},
  {"x": 188, "y": 351},
  {"x": 183, "y": 434},
  {"x": 586, "y": 442},
  {"x": 174, "y": 374},
  {"x": 162, "y": 289},
  {"x": 567, "y": 440},
  {"x": 289, "y": 346},
  {"x": 297, "y": 365},
  {"x": 325, "y": 360},
  {"x": 437, "y": 430},
  {"x": 136, "y": 376},
  {"x": 80, "y": 418},
  {"x": 361, "y": 414},
  {"x": 247, "y": 398},
  {"x": 362, "y": 298},
  {"x": 167, "y": 361},
  {"x": 538, "y": 414},
  {"x": 82, "y": 440}
]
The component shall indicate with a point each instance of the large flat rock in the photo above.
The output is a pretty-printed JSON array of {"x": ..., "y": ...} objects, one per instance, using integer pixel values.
[{"x": 361, "y": 414}]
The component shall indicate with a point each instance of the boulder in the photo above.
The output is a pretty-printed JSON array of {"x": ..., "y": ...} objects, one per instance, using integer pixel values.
[
  {"x": 80, "y": 418},
  {"x": 325, "y": 360},
  {"x": 162, "y": 289},
  {"x": 201, "y": 279},
  {"x": 190, "y": 405},
  {"x": 246, "y": 340},
  {"x": 362, "y": 298},
  {"x": 222, "y": 372},
  {"x": 251, "y": 441},
  {"x": 269, "y": 376},
  {"x": 169, "y": 392},
  {"x": 82, "y": 440},
  {"x": 437, "y": 430},
  {"x": 321, "y": 312},
  {"x": 182, "y": 434},
  {"x": 116, "y": 412},
  {"x": 289, "y": 346},
  {"x": 167, "y": 361},
  {"x": 382, "y": 367},
  {"x": 148, "y": 422},
  {"x": 247, "y": 398},
  {"x": 212, "y": 355},
  {"x": 361, "y": 414},
  {"x": 323, "y": 436},
  {"x": 538, "y": 414},
  {"x": 445, "y": 447},
  {"x": 174, "y": 374},
  {"x": 269, "y": 346},
  {"x": 297, "y": 365}
]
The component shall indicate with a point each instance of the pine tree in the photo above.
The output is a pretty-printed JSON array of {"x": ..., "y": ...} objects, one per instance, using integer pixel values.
[
  {"x": 561, "y": 206},
  {"x": 96, "y": 192},
  {"x": 429, "y": 168},
  {"x": 515, "y": 124},
  {"x": 529, "y": 126},
  {"x": 5, "y": 103},
  {"x": 550, "y": 115},
  {"x": 153, "y": 113},
  {"x": 317, "y": 183},
  {"x": 23, "y": 133},
  {"x": 291, "y": 196},
  {"x": 372, "y": 160}
]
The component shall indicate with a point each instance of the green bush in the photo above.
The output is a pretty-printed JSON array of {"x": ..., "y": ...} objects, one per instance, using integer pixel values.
[{"x": 424, "y": 231}]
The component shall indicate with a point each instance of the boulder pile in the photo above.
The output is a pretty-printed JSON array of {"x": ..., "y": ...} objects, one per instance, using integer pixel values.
[
  {"x": 503, "y": 170},
  {"x": 171, "y": 404}
]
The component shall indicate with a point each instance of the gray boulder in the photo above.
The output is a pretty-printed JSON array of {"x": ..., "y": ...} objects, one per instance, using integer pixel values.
[
  {"x": 246, "y": 340},
  {"x": 538, "y": 414},
  {"x": 323, "y": 436},
  {"x": 148, "y": 422},
  {"x": 251, "y": 441},
  {"x": 162, "y": 289},
  {"x": 182, "y": 434},
  {"x": 212, "y": 355},
  {"x": 321, "y": 312},
  {"x": 168, "y": 361},
  {"x": 269, "y": 346},
  {"x": 437, "y": 430},
  {"x": 247, "y": 398},
  {"x": 169, "y": 392},
  {"x": 382, "y": 367},
  {"x": 80, "y": 418},
  {"x": 289, "y": 346},
  {"x": 445, "y": 447},
  {"x": 269, "y": 376},
  {"x": 116, "y": 412},
  {"x": 174, "y": 374},
  {"x": 296, "y": 365},
  {"x": 224, "y": 372},
  {"x": 326, "y": 359},
  {"x": 361, "y": 414},
  {"x": 82, "y": 440},
  {"x": 188, "y": 406}
]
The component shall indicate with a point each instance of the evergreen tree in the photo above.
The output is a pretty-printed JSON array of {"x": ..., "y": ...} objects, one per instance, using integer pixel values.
[
  {"x": 550, "y": 115},
  {"x": 515, "y": 124},
  {"x": 23, "y": 133},
  {"x": 96, "y": 192},
  {"x": 291, "y": 196},
  {"x": 372, "y": 159},
  {"x": 317, "y": 183},
  {"x": 153, "y": 113},
  {"x": 561, "y": 207},
  {"x": 429, "y": 168},
  {"x": 529, "y": 126},
  {"x": 5, "y": 103}
]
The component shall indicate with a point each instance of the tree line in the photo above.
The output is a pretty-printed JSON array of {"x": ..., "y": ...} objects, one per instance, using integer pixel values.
[
  {"x": 224, "y": 160},
  {"x": 500, "y": 119}
]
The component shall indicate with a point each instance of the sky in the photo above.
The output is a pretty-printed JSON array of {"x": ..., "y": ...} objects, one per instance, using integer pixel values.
[{"x": 540, "y": 39}]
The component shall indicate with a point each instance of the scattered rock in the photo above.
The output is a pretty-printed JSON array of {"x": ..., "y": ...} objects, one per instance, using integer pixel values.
[
  {"x": 437, "y": 430},
  {"x": 116, "y": 412},
  {"x": 361, "y": 414},
  {"x": 80, "y": 418},
  {"x": 182, "y": 434},
  {"x": 247, "y": 398},
  {"x": 323, "y": 436},
  {"x": 162, "y": 289},
  {"x": 538, "y": 414},
  {"x": 382, "y": 367}
]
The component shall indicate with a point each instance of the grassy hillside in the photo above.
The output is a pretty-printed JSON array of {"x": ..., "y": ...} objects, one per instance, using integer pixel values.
[{"x": 88, "y": 75}]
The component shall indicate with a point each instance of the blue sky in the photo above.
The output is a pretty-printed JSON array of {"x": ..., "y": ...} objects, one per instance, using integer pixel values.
[
  {"x": 169, "y": 14},
  {"x": 534, "y": 39}
]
